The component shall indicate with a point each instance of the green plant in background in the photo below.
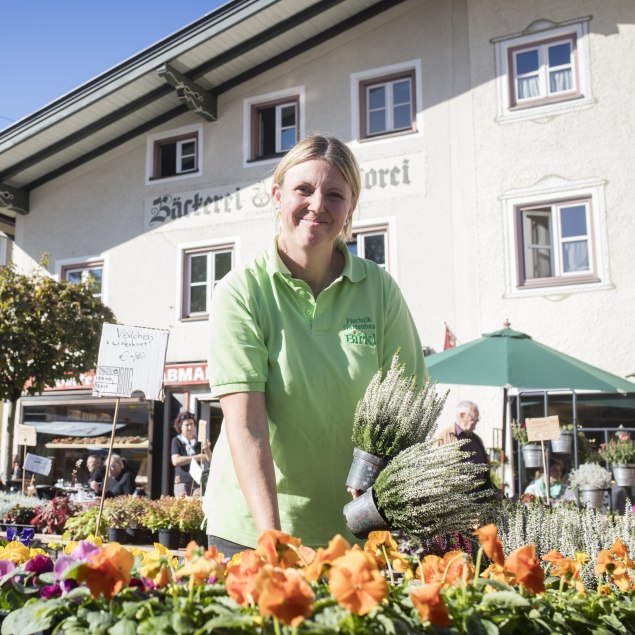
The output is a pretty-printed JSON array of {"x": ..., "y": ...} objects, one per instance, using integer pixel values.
[
  {"x": 17, "y": 509},
  {"x": 519, "y": 433},
  {"x": 85, "y": 524},
  {"x": 51, "y": 517},
  {"x": 590, "y": 475},
  {"x": 190, "y": 514},
  {"x": 394, "y": 414},
  {"x": 163, "y": 513},
  {"x": 126, "y": 511},
  {"x": 620, "y": 450},
  {"x": 427, "y": 490}
]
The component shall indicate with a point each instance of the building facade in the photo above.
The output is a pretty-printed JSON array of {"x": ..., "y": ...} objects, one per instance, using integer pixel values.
[{"x": 494, "y": 142}]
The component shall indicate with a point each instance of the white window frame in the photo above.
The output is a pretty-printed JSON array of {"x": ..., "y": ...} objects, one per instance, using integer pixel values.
[
  {"x": 360, "y": 235},
  {"x": 553, "y": 192},
  {"x": 64, "y": 266},
  {"x": 281, "y": 98},
  {"x": 383, "y": 75},
  {"x": 185, "y": 253},
  {"x": 193, "y": 131},
  {"x": 540, "y": 35},
  {"x": 386, "y": 225}
]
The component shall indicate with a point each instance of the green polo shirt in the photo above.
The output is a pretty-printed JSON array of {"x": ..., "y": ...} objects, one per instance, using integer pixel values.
[{"x": 314, "y": 358}]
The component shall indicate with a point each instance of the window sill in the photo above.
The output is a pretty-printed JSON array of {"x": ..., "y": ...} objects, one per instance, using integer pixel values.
[
  {"x": 195, "y": 318},
  {"x": 561, "y": 288},
  {"x": 388, "y": 135}
]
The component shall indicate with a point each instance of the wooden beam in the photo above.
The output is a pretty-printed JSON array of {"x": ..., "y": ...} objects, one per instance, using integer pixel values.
[
  {"x": 14, "y": 200},
  {"x": 197, "y": 99}
]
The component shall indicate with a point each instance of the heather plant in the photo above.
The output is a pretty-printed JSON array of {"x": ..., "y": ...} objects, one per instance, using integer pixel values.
[
  {"x": 394, "y": 413},
  {"x": 590, "y": 475},
  {"x": 429, "y": 489},
  {"x": 17, "y": 508}
]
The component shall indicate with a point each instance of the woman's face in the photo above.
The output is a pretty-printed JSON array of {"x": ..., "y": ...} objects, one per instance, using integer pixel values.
[
  {"x": 115, "y": 469},
  {"x": 315, "y": 201},
  {"x": 187, "y": 428}
]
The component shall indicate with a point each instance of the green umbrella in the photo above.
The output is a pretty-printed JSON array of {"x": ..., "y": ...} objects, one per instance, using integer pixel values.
[{"x": 510, "y": 358}]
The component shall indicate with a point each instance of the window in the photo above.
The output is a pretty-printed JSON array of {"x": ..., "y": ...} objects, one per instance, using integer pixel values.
[
  {"x": 370, "y": 244},
  {"x": 387, "y": 105},
  {"x": 174, "y": 154},
  {"x": 86, "y": 272},
  {"x": 274, "y": 128},
  {"x": 544, "y": 71},
  {"x": 203, "y": 268},
  {"x": 556, "y": 243}
]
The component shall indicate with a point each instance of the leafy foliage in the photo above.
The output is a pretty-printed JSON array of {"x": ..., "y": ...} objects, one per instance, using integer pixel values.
[
  {"x": 51, "y": 517},
  {"x": 618, "y": 451},
  {"x": 85, "y": 524},
  {"x": 394, "y": 414}
]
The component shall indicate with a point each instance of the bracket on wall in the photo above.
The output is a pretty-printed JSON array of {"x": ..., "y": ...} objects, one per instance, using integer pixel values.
[
  {"x": 197, "y": 99},
  {"x": 13, "y": 199}
]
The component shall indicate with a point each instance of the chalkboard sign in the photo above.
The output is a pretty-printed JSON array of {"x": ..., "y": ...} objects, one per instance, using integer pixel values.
[{"x": 131, "y": 362}]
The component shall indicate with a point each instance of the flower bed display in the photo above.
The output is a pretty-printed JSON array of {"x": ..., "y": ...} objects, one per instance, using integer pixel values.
[{"x": 284, "y": 587}]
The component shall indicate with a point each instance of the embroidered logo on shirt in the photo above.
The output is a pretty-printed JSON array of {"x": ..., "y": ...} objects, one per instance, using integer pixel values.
[{"x": 360, "y": 331}]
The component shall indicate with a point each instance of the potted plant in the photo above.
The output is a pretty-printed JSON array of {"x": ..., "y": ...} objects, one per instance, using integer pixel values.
[
  {"x": 85, "y": 524},
  {"x": 532, "y": 454},
  {"x": 51, "y": 517},
  {"x": 564, "y": 443},
  {"x": 425, "y": 491},
  {"x": 124, "y": 514},
  {"x": 190, "y": 520},
  {"x": 619, "y": 454},
  {"x": 162, "y": 516},
  {"x": 392, "y": 415},
  {"x": 591, "y": 480}
]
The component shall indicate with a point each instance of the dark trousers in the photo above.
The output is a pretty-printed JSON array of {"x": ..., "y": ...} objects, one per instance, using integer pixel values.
[{"x": 226, "y": 547}]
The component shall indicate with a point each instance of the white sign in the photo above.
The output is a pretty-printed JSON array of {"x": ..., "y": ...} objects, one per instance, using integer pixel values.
[
  {"x": 25, "y": 435},
  {"x": 196, "y": 471},
  {"x": 38, "y": 464},
  {"x": 131, "y": 362}
]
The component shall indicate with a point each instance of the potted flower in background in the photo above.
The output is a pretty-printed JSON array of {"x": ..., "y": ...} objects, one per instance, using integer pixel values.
[
  {"x": 592, "y": 481},
  {"x": 532, "y": 454},
  {"x": 565, "y": 442},
  {"x": 392, "y": 415},
  {"x": 124, "y": 515},
  {"x": 619, "y": 455},
  {"x": 162, "y": 517},
  {"x": 190, "y": 520}
]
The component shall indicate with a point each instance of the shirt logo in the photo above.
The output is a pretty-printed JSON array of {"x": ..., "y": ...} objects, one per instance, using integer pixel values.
[{"x": 359, "y": 331}]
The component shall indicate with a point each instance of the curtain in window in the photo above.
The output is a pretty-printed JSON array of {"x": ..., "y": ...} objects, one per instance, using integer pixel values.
[
  {"x": 575, "y": 256},
  {"x": 528, "y": 87},
  {"x": 560, "y": 81}
]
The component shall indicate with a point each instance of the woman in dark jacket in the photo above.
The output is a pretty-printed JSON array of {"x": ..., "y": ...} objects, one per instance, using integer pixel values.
[
  {"x": 185, "y": 449},
  {"x": 121, "y": 479}
]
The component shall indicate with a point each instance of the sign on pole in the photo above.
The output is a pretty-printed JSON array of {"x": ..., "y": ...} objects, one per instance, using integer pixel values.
[
  {"x": 131, "y": 361},
  {"x": 543, "y": 428},
  {"x": 38, "y": 464},
  {"x": 25, "y": 435}
]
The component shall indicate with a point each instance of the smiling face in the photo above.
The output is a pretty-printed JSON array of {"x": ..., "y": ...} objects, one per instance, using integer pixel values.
[
  {"x": 188, "y": 428},
  {"x": 315, "y": 201}
]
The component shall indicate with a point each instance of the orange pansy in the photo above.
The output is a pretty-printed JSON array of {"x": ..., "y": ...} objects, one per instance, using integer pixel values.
[
  {"x": 525, "y": 567},
  {"x": 284, "y": 593},
  {"x": 567, "y": 568},
  {"x": 356, "y": 582},
  {"x": 107, "y": 571},
  {"x": 338, "y": 546},
  {"x": 428, "y": 601},
  {"x": 492, "y": 546},
  {"x": 241, "y": 577},
  {"x": 454, "y": 567},
  {"x": 201, "y": 570},
  {"x": 279, "y": 549}
]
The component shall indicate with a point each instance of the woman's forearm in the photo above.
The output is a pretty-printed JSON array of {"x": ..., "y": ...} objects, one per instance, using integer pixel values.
[{"x": 248, "y": 435}]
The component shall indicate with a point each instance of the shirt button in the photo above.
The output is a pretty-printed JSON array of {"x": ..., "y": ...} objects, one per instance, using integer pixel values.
[{"x": 309, "y": 312}]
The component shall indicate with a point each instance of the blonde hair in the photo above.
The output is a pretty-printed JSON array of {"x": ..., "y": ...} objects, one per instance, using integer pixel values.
[{"x": 333, "y": 151}]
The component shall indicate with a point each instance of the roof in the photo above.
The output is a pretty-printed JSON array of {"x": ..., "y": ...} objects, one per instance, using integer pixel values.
[{"x": 187, "y": 69}]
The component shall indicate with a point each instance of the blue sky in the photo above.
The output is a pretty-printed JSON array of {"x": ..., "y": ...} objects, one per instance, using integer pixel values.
[{"x": 49, "y": 47}]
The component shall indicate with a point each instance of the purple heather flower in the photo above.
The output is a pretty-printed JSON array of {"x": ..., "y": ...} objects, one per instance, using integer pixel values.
[
  {"x": 39, "y": 564},
  {"x": 6, "y": 566}
]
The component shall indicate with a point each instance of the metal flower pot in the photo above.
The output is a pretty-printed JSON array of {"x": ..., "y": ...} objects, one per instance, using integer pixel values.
[
  {"x": 532, "y": 456},
  {"x": 591, "y": 497},
  {"x": 624, "y": 475},
  {"x": 362, "y": 515},
  {"x": 564, "y": 443},
  {"x": 364, "y": 470}
]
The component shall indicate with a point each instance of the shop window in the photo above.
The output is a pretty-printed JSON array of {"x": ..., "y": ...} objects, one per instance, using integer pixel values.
[
  {"x": 371, "y": 244},
  {"x": 203, "y": 268},
  {"x": 387, "y": 104},
  {"x": 85, "y": 272},
  {"x": 5, "y": 249},
  {"x": 544, "y": 69},
  {"x": 555, "y": 243},
  {"x": 174, "y": 154},
  {"x": 274, "y": 128}
]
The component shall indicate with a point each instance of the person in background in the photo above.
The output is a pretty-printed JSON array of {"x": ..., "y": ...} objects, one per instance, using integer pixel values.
[
  {"x": 121, "y": 479},
  {"x": 296, "y": 338},
  {"x": 467, "y": 417},
  {"x": 538, "y": 487},
  {"x": 96, "y": 472},
  {"x": 185, "y": 449}
]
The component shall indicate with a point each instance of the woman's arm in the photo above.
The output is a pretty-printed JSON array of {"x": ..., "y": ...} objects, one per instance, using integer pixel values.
[
  {"x": 248, "y": 435},
  {"x": 179, "y": 459}
]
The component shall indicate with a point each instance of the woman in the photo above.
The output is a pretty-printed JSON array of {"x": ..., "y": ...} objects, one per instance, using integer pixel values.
[
  {"x": 538, "y": 487},
  {"x": 120, "y": 478},
  {"x": 185, "y": 449},
  {"x": 296, "y": 338}
]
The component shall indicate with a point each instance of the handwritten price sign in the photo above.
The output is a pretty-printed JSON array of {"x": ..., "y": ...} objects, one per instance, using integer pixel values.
[{"x": 543, "y": 428}]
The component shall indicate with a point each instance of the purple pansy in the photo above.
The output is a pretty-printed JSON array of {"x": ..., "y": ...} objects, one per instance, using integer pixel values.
[
  {"x": 84, "y": 550},
  {"x": 25, "y": 536},
  {"x": 6, "y": 566},
  {"x": 50, "y": 591},
  {"x": 39, "y": 564}
]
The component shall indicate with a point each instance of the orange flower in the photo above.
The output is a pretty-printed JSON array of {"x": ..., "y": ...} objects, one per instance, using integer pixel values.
[
  {"x": 455, "y": 567},
  {"x": 567, "y": 568},
  {"x": 284, "y": 593},
  {"x": 241, "y": 578},
  {"x": 107, "y": 571},
  {"x": 385, "y": 549},
  {"x": 428, "y": 601},
  {"x": 525, "y": 567},
  {"x": 338, "y": 546},
  {"x": 428, "y": 569},
  {"x": 615, "y": 562},
  {"x": 492, "y": 546},
  {"x": 356, "y": 582},
  {"x": 277, "y": 548},
  {"x": 201, "y": 570}
]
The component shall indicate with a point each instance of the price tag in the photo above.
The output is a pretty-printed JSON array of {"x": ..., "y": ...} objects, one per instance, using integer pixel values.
[
  {"x": 543, "y": 428},
  {"x": 202, "y": 430}
]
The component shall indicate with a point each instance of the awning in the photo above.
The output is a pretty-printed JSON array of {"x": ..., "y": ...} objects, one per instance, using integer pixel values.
[{"x": 73, "y": 428}]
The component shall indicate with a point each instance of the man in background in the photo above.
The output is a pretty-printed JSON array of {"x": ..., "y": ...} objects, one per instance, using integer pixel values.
[{"x": 96, "y": 472}]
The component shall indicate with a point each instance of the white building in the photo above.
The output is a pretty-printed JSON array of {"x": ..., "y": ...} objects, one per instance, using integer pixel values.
[{"x": 494, "y": 138}]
